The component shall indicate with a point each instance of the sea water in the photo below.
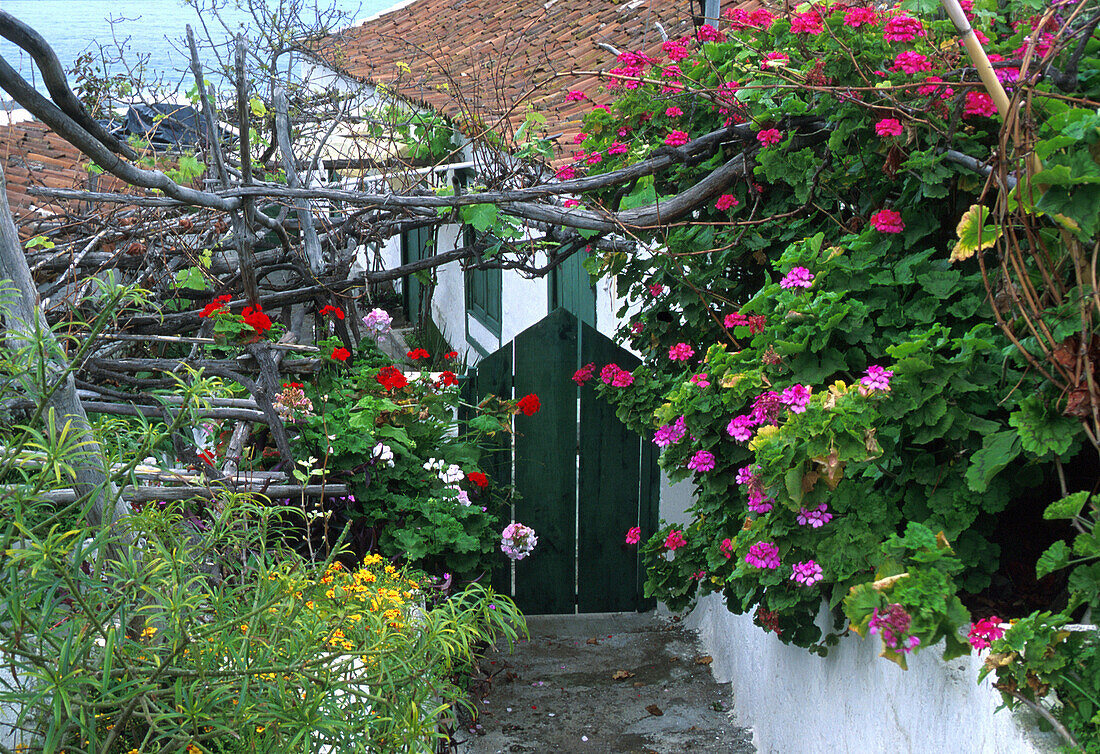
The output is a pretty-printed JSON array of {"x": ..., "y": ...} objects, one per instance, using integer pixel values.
[{"x": 149, "y": 32}]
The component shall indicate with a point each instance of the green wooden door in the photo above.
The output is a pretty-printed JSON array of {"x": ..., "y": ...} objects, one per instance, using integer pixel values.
[
  {"x": 569, "y": 287},
  {"x": 582, "y": 478}
]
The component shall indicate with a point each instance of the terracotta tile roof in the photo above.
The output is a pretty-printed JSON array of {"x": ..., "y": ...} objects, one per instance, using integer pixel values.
[
  {"x": 474, "y": 59},
  {"x": 33, "y": 155}
]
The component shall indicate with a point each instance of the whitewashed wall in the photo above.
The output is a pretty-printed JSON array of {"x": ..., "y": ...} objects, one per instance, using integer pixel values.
[{"x": 854, "y": 701}]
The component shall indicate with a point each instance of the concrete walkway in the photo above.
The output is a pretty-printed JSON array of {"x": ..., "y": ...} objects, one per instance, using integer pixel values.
[{"x": 602, "y": 683}]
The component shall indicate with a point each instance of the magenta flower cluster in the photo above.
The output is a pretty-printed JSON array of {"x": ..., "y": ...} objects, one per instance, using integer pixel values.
[
  {"x": 763, "y": 555},
  {"x": 681, "y": 352},
  {"x": 796, "y": 398},
  {"x": 807, "y": 573},
  {"x": 877, "y": 378},
  {"x": 887, "y": 221},
  {"x": 985, "y": 632},
  {"x": 703, "y": 460},
  {"x": 675, "y": 540},
  {"x": 670, "y": 434},
  {"x": 769, "y": 136},
  {"x": 759, "y": 501},
  {"x": 815, "y": 518},
  {"x": 799, "y": 277},
  {"x": 894, "y": 624},
  {"x": 616, "y": 376}
]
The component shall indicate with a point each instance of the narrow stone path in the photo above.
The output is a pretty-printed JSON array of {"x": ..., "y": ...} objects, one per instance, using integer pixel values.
[{"x": 608, "y": 683}]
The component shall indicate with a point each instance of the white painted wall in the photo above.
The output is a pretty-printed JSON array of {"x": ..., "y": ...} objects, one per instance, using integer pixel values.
[{"x": 852, "y": 700}]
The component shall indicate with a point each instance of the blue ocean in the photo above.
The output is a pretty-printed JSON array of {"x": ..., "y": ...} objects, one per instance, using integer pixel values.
[{"x": 148, "y": 32}]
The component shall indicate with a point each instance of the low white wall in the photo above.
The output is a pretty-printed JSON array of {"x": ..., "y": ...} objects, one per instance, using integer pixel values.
[{"x": 854, "y": 701}]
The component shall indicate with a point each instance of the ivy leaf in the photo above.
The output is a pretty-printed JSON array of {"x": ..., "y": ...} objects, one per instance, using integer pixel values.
[
  {"x": 1054, "y": 559},
  {"x": 998, "y": 450},
  {"x": 1068, "y": 507},
  {"x": 974, "y": 235}
]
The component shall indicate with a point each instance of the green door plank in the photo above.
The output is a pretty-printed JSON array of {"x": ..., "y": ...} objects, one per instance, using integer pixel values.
[
  {"x": 571, "y": 289},
  {"x": 608, "y": 492},
  {"x": 650, "y": 489},
  {"x": 545, "y": 469},
  {"x": 493, "y": 376}
]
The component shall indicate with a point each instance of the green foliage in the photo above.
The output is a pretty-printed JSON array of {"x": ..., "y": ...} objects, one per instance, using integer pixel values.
[
  {"x": 1037, "y": 656},
  {"x": 406, "y": 508},
  {"x": 1083, "y": 552},
  {"x": 886, "y": 233}
]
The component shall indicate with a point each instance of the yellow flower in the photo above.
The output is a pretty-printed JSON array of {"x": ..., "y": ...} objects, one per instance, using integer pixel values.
[
  {"x": 192, "y": 749},
  {"x": 133, "y": 751},
  {"x": 244, "y": 628},
  {"x": 148, "y": 632},
  {"x": 331, "y": 594},
  {"x": 260, "y": 728}
]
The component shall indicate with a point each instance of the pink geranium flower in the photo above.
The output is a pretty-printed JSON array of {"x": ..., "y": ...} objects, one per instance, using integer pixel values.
[
  {"x": 677, "y": 139},
  {"x": 763, "y": 555},
  {"x": 856, "y": 17},
  {"x": 673, "y": 112},
  {"x": 887, "y": 221},
  {"x": 807, "y": 23},
  {"x": 769, "y": 136},
  {"x": 675, "y": 540},
  {"x": 575, "y": 96},
  {"x": 911, "y": 62},
  {"x": 888, "y": 127},
  {"x": 799, "y": 277},
  {"x": 902, "y": 29},
  {"x": 726, "y": 201},
  {"x": 985, "y": 632},
  {"x": 726, "y": 548},
  {"x": 702, "y": 461},
  {"x": 979, "y": 103},
  {"x": 807, "y": 573},
  {"x": 681, "y": 352},
  {"x": 634, "y": 535}
]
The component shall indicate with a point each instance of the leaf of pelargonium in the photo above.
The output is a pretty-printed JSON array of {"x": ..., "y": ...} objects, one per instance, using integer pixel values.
[
  {"x": 974, "y": 235},
  {"x": 1042, "y": 430},
  {"x": 793, "y": 481},
  {"x": 998, "y": 450},
  {"x": 860, "y": 604},
  {"x": 1068, "y": 507},
  {"x": 643, "y": 194},
  {"x": 1054, "y": 559},
  {"x": 481, "y": 216}
]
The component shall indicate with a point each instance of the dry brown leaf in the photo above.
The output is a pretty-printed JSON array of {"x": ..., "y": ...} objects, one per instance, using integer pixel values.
[
  {"x": 654, "y": 710},
  {"x": 704, "y": 660},
  {"x": 593, "y": 640},
  {"x": 621, "y": 675}
]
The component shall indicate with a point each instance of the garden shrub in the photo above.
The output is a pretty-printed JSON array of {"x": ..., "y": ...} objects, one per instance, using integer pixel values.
[{"x": 820, "y": 354}]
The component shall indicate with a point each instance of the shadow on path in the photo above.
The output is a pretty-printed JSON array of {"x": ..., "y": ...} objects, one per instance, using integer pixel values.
[{"x": 602, "y": 683}]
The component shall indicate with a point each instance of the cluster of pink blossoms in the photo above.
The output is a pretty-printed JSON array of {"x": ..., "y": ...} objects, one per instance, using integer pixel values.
[
  {"x": 763, "y": 555},
  {"x": 726, "y": 548},
  {"x": 799, "y": 277},
  {"x": 677, "y": 139},
  {"x": 815, "y": 518},
  {"x": 702, "y": 461},
  {"x": 877, "y": 378},
  {"x": 857, "y": 17},
  {"x": 584, "y": 374},
  {"x": 888, "y": 127},
  {"x": 700, "y": 380},
  {"x": 616, "y": 376},
  {"x": 680, "y": 352},
  {"x": 759, "y": 501},
  {"x": 517, "y": 541},
  {"x": 670, "y": 434},
  {"x": 979, "y": 103},
  {"x": 894, "y": 624},
  {"x": 807, "y": 573},
  {"x": 985, "y": 632},
  {"x": 676, "y": 49},
  {"x": 675, "y": 540},
  {"x": 766, "y": 408},
  {"x": 807, "y": 23},
  {"x": 902, "y": 29},
  {"x": 631, "y": 66},
  {"x": 634, "y": 535},
  {"x": 755, "y": 322},
  {"x": 911, "y": 62},
  {"x": 743, "y": 19},
  {"x": 673, "y": 112},
  {"x": 887, "y": 221},
  {"x": 725, "y": 201},
  {"x": 769, "y": 136},
  {"x": 708, "y": 33}
]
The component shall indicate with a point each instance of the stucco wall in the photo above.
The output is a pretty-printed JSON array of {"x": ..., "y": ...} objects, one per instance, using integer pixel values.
[{"x": 854, "y": 701}]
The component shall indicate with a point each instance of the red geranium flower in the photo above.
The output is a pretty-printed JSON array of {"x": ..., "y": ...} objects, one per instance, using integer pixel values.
[
  {"x": 528, "y": 404},
  {"x": 451, "y": 355},
  {"x": 478, "y": 478},
  {"x": 340, "y": 354},
  {"x": 391, "y": 378},
  {"x": 418, "y": 353},
  {"x": 584, "y": 374},
  {"x": 256, "y": 319},
  {"x": 215, "y": 306},
  {"x": 448, "y": 378},
  {"x": 333, "y": 310}
]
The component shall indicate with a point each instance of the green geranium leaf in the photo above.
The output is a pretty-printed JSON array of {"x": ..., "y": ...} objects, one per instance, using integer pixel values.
[
  {"x": 1068, "y": 507},
  {"x": 974, "y": 235},
  {"x": 1054, "y": 559},
  {"x": 998, "y": 450}
]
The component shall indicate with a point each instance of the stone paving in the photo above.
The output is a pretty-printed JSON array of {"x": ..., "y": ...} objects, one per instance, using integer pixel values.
[{"x": 606, "y": 683}]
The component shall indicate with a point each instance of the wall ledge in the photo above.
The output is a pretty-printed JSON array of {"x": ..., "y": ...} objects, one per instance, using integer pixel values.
[{"x": 854, "y": 701}]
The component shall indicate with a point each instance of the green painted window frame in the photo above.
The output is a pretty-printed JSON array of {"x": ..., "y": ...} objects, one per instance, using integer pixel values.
[{"x": 484, "y": 294}]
